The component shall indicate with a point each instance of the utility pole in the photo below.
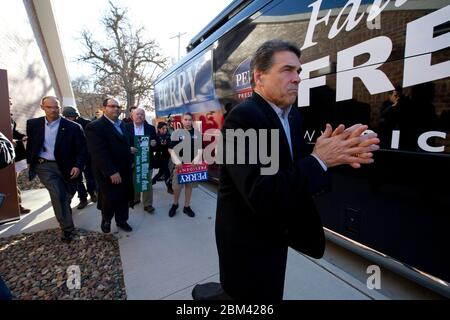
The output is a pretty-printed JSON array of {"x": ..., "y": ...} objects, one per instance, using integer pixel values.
[{"x": 179, "y": 37}]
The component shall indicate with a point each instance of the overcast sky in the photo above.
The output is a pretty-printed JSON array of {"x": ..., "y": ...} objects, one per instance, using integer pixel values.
[{"x": 162, "y": 19}]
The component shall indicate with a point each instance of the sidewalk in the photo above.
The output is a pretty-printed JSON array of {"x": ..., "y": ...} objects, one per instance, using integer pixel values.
[{"x": 163, "y": 258}]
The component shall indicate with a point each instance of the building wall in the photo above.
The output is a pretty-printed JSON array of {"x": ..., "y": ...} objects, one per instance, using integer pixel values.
[{"x": 29, "y": 78}]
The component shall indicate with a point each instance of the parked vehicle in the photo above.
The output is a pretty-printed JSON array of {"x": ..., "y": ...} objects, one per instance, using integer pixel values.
[{"x": 381, "y": 63}]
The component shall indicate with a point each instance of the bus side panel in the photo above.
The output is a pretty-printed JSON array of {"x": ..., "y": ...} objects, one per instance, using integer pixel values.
[{"x": 400, "y": 205}]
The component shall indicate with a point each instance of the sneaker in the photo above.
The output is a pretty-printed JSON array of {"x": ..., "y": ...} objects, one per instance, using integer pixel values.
[
  {"x": 24, "y": 210},
  {"x": 188, "y": 211},
  {"x": 106, "y": 226},
  {"x": 149, "y": 209},
  {"x": 82, "y": 204},
  {"x": 173, "y": 210},
  {"x": 125, "y": 227}
]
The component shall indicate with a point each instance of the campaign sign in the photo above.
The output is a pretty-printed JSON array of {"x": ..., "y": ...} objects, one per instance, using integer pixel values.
[
  {"x": 189, "y": 173},
  {"x": 142, "y": 164}
]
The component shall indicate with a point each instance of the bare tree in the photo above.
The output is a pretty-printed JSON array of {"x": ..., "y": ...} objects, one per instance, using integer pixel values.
[
  {"x": 87, "y": 101},
  {"x": 127, "y": 63}
]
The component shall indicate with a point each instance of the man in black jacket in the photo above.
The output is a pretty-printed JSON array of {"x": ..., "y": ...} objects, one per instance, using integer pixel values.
[
  {"x": 140, "y": 127},
  {"x": 72, "y": 114},
  {"x": 110, "y": 152},
  {"x": 259, "y": 216},
  {"x": 56, "y": 152}
]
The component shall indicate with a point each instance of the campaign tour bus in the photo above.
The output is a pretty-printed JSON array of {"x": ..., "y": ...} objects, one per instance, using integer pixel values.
[{"x": 385, "y": 63}]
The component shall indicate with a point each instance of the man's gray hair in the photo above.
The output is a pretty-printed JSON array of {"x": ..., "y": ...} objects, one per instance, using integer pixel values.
[{"x": 262, "y": 59}]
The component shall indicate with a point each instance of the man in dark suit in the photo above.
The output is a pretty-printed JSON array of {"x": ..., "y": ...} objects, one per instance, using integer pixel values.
[
  {"x": 111, "y": 157},
  {"x": 56, "y": 152},
  {"x": 259, "y": 216},
  {"x": 140, "y": 127},
  {"x": 71, "y": 113}
]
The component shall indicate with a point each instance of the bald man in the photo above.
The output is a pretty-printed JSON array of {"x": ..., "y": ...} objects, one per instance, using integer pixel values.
[{"x": 56, "y": 152}]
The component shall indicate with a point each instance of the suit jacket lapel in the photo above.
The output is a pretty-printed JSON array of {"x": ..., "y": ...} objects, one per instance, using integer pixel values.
[
  {"x": 129, "y": 130},
  {"x": 295, "y": 134},
  {"x": 146, "y": 128},
  {"x": 61, "y": 133},
  {"x": 275, "y": 120},
  {"x": 113, "y": 130},
  {"x": 122, "y": 127},
  {"x": 39, "y": 131}
]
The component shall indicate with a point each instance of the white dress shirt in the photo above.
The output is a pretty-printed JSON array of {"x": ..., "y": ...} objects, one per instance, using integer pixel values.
[
  {"x": 283, "y": 115},
  {"x": 139, "y": 131},
  {"x": 51, "y": 131}
]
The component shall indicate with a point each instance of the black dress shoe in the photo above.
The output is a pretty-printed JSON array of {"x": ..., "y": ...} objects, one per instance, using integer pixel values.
[
  {"x": 94, "y": 198},
  {"x": 82, "y": 205},
  {"x": 209, "y": 291},
  {"x": 188, "y": 211},
  {"x": 125, "y": 227},
  {"x": 67, "y": 236},
  {"x": 106, "y": 226},
  {"x": 24, "y": 210},
  {"x": 149, "y": 209},
  {"x": 173, "y": 210}
]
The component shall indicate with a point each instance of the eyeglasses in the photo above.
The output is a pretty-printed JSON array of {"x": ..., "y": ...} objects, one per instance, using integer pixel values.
[{"x": 52, "y": 107}]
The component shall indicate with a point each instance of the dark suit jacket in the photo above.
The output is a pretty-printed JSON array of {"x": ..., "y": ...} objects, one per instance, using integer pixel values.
[
  {"x": 258, "y": 217},
  {"x": 110, "y": 153},
  {"x": 149, "y": 130},
  {"x": 70, "y": 146},
  {"x": 82, "y": 122}
]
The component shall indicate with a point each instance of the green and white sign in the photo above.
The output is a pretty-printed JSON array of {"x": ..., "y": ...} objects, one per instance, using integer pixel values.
[{"x": 142, "y": 164}]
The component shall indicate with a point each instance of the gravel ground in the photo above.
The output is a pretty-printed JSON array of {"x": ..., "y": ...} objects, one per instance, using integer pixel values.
[
  {"x": 24, "y": 183},
  {"x": 37, "y": 266}
]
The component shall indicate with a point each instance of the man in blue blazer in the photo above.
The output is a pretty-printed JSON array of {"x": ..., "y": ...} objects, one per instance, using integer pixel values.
[{"x": 57, "y": 153}]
